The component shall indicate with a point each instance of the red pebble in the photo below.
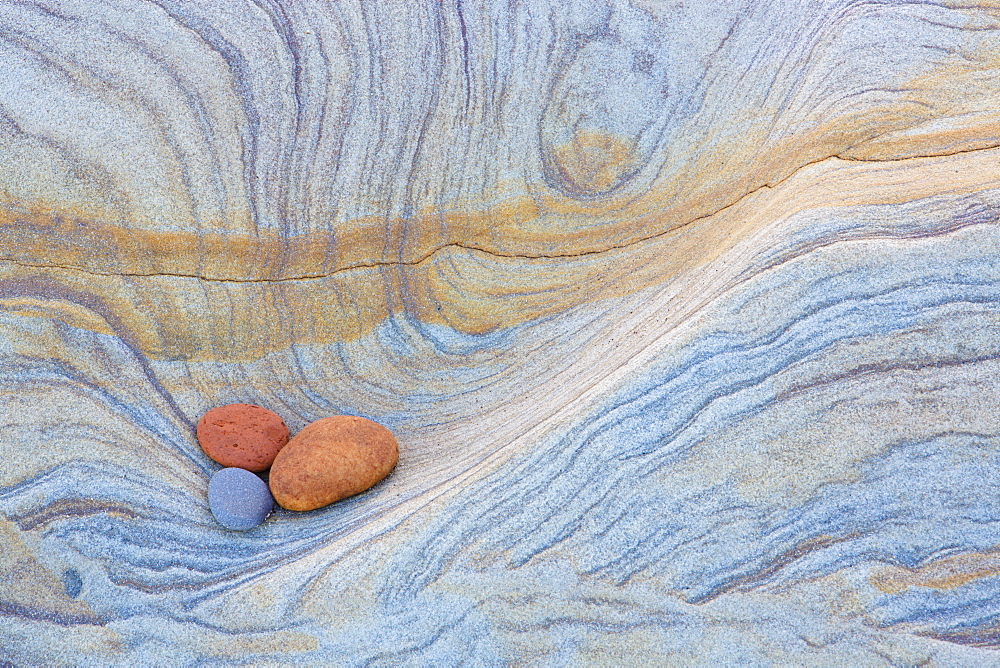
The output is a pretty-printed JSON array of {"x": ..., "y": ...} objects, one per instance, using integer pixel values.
[{"x": 242, "y": 436}]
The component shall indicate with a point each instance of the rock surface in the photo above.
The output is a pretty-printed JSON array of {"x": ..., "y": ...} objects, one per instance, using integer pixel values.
[
  {"x": 239, "y": 499},
  {"x": 686, "y": 315},
  {"x": 331, "y": 459},
  {"x": 242, "y": 436}
]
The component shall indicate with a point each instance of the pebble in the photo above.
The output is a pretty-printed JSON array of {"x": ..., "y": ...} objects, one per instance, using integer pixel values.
[
  {"x": 242, "y": 436},
  {"x": 239, "y": 499},
  {"x": 331, "y": 459}
]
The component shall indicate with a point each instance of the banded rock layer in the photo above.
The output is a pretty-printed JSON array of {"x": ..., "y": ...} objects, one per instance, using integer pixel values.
[{"x": 685, "y": 318}]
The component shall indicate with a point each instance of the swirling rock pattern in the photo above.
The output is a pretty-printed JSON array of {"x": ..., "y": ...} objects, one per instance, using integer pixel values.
[{"x": 685, "y": 316}]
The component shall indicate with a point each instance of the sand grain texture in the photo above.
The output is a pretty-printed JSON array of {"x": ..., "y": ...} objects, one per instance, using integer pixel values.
[{"x": 685, "y": 315}]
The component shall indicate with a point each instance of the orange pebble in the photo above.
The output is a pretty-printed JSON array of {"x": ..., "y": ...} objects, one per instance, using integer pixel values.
[
  {"x": 242, "y": 436},
  {"x": 330, "y": 459}
]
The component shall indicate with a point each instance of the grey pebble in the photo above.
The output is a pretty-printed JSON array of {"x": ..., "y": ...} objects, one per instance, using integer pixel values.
[{"x": 239, "y": 499}]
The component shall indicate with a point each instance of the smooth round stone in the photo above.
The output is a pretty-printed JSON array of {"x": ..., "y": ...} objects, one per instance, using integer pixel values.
[
  {"x": 242, "y": 436},
  {"x": 239, "y": 499},
  {"x": 331, "y": 459}
]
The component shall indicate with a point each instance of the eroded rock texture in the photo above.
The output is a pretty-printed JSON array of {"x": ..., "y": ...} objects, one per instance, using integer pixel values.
[{"x": 685, "y": 316}]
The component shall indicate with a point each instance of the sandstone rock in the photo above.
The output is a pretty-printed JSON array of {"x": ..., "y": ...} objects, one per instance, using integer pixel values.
[
  {"x": 330, "y": 459},
  {"x": 242, "y": 436}
]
